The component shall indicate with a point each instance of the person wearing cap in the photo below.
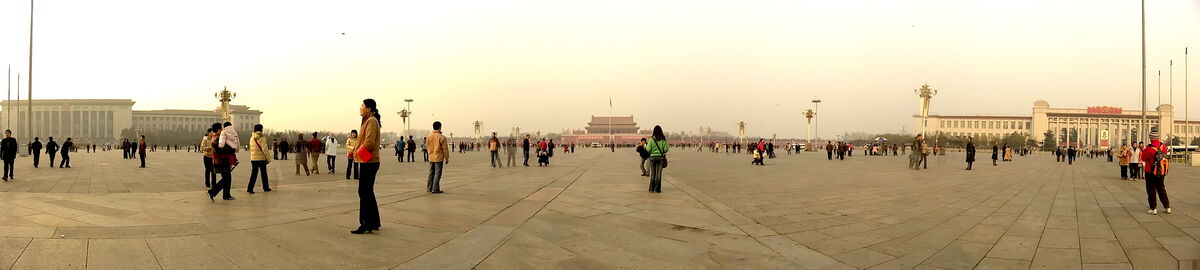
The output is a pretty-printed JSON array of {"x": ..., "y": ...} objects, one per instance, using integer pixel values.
[{"x": 1154, "y": 183}]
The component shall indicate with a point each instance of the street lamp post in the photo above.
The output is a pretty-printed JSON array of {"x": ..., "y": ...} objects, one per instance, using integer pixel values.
[
  {"x": 808, "y": 114},
  {"x": 477, "y": 124},
  {"x": 816, "y": 111},
  {"x": 926, "y": 93},
  {"x": 741, "y": 133},
  {"x": 405, "y": 114}
]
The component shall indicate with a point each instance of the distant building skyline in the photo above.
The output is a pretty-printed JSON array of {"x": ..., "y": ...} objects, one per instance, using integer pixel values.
[{"x": 102, "y": 121}]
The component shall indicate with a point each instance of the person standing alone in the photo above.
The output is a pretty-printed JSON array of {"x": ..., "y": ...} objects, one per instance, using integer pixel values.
[
  {"x": 439, "y": 154},
  {"x": 142, "y": 150},
  {"x": 970, "y": 153},
  {"x": 366, "y": 153},
  {"x": 525, "y": 149},
  {"x": 9, "y": 148}
]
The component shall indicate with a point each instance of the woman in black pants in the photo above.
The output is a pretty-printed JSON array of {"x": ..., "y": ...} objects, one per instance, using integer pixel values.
[
  {"x": 366, "y": 153},
  {"x": 210, "y": 176},
  {"x": 351, "y": 166}
]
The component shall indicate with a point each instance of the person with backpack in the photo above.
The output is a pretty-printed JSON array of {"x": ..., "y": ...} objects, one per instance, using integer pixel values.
[{"x": 1157, "y": 165}]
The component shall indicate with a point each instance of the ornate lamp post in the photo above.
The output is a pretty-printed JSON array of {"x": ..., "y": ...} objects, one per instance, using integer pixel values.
[
  {"x": 225, "y": 97},
  {"x": 817, "y": 110},
  {"x": 405, "y": 114},
  {"x": 741, "y": 132},
  {"x": 926, "y": 93},
  {"x": 808, "y": 114},
  {"x": 477, "y": 125}
]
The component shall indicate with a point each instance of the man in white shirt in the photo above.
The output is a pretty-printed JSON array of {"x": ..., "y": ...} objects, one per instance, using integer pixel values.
[{"x": 331, "y": 148}]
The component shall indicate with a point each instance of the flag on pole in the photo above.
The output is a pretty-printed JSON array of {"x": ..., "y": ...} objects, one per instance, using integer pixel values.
[{"x": 610, "y": 103}]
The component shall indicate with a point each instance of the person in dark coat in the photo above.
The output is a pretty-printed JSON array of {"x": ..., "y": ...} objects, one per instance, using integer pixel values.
[
  {"x": 645, "y": 155},
  {"x": 995, "y": 153},
  {"x": 66, "y": 154},
  {"x": 35, "y": 150},
  {"x": 8, "y": 147},
  {"x": 970, "y": 153},
  {"x": 51, "y": 149}
]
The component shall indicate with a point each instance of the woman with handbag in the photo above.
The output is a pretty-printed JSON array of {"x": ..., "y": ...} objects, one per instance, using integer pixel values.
[
  {"x": 258, "y": 160},
  {"x": 366, "y": 154},
  {"x": 658, "y": 148}
]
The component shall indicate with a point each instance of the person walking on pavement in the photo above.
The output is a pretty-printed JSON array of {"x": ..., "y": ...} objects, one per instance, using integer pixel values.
[
  {"x": 284, "y": 148},
  {"x": 142, "y": 150},
  {"x": 51, "y": 150},
  {"x": 224, "y": 159},
  {"x": 314, "y": 153},
  {"x": 331, "y": 147},
  {"x": 494, "y": 147},
  {"x": 970, "y": 153},
  {"x": 258, "y": 160},
  {"x": 439, "y": 155},
  {"x": 206, "y": 149},
  {"x": 301, "y": 150},
  {"x": 510, "y": 150},
  {"x": 525, "y": 149},
  {"x": 1071, "y": 153},
  {"x": 351, "y": 165},
  {"x": 412, "y": 150},
  {"x": 9, "y": 148},
  {"x": 658, "y": 148},
  {"x": 828, "y": 150},
  {"x": 1157, "y": 165},
  {"x": 35, "y": 150},
  {"x": 66, "y": 154},
  {"x": 366, "y": 154},
  {"x": 645, "y": 155}
]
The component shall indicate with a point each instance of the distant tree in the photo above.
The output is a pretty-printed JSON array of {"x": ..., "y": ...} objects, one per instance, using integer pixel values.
[{"x": 1050, "y": 142}]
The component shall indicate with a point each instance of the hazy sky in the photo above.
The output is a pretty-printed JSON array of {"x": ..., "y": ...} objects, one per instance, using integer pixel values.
[{"x": 548, "y": 65}]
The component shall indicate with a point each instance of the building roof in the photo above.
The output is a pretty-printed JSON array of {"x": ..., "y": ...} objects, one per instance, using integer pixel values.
[
  {"x": 72, "y": 102},
  {"x": 613, "y": 120}
]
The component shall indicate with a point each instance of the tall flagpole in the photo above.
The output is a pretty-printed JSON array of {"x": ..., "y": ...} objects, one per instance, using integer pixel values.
[
  {"x": 1186, "y": 128},
  {"x": 1143, "y": 125},
  {"x": 29, "y": 74}
]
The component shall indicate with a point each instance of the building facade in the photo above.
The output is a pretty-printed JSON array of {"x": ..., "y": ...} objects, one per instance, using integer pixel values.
[
  {"x": 1092, "y": 127},
  {"x": 101, "y": 121},
  {"x": 621, "y": 130}
]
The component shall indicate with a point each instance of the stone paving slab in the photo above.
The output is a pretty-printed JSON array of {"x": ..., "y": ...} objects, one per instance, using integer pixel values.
[{"x": 590, "y": 210}]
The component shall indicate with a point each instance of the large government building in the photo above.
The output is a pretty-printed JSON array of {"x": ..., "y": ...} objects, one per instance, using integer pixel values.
[
  {"x": 1092, "y": 127},
  {"x": 101, "y": 121},
  {"x": 621, "y": 130}
]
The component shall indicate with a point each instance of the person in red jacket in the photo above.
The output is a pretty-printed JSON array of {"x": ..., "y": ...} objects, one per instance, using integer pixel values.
[{"x": 1154, "y": 183}]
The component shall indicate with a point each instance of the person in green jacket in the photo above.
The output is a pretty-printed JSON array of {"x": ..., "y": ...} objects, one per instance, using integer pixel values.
[{"x": 658, "y": 148}]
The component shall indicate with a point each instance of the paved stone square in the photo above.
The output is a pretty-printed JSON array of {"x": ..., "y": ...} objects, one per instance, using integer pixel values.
[{"x": 590, "y": 210}]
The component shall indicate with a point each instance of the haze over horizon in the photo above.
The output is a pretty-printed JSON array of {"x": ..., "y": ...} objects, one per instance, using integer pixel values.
[{"x": 549, "y": 65}]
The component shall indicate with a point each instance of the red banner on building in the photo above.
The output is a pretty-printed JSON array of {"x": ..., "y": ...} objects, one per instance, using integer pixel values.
[{"x": 1104, "y": 110}]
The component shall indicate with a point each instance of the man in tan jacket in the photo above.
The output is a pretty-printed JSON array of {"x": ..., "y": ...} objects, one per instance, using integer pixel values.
[{"x": 439, "y": 154}]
